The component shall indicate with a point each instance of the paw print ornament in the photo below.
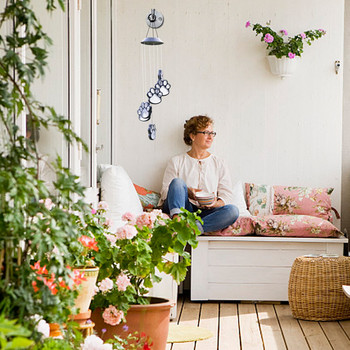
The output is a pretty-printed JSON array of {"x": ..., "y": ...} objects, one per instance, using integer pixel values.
[
  {"x": 144, "y": 112},
  {"x": 154, "y": 96},
  {"x": 152, "y": 131},
  {"x": 162, "y": 85}
]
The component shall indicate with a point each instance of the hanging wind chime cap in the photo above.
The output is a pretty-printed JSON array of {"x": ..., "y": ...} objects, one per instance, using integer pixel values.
[{"x": 152, "y": 41}]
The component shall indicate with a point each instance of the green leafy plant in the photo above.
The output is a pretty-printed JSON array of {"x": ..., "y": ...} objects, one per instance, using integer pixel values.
[
  {"x": 282, "y": 45},
  {"x": 13, "y": 335},
  {"x": 37, "y": 226},
  {"x": 128, "y": 267}
]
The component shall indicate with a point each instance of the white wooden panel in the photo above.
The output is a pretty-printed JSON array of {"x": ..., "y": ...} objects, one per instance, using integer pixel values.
[
  {"x": 263, "y": 257},
  {"x": 271, "y": 292},
  {"x": 237, "y": 275}
]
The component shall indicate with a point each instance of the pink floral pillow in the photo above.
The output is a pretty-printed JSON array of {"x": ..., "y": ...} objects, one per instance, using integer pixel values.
[
  {"x": 259, "y": 199},
  {"x": 303, "y": 201},
  {"x": 243, "y": 226},
  {"x": 294, "y": 226}
]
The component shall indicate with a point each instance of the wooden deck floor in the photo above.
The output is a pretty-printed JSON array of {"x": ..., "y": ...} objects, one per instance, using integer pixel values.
[{"x": 257, "y": 326}]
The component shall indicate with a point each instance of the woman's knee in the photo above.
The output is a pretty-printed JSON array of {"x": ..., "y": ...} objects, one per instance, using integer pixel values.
[
  {"x": 177, "y": 183},
  {"x": 233, "y": 212}
]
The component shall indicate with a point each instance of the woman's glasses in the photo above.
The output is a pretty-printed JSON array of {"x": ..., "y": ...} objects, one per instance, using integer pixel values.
[{"x": 207, "y": 133}]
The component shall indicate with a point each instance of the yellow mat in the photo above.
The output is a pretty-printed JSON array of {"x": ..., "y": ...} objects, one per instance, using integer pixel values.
[{"x": 183, "y": 333}]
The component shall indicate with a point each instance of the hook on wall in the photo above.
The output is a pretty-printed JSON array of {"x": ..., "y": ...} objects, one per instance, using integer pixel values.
[{"x": 337, "y": 66}]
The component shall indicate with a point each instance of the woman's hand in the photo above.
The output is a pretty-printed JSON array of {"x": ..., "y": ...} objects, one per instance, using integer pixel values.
[
  {"x": 192, "y": 192},
  {"x": 217, "y": 203}
]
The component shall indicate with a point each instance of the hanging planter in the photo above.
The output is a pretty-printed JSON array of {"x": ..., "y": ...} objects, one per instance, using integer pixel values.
[
  {"x": 283, "y": 67},
  {"x": 284, "y": 51}
]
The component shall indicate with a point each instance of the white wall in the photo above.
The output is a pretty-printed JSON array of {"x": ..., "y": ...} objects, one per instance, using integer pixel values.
[{"x": 273, "y": 131}]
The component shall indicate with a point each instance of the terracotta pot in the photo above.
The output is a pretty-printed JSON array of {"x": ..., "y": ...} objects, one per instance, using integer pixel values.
[
  {"x": 86, "y": 289},
  {"x": 55, "y": 330},
  {"x": 152, "y": 319}
]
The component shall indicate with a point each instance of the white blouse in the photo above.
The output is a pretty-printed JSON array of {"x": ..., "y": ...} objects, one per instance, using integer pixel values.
[{"x": 210, "y": 175}]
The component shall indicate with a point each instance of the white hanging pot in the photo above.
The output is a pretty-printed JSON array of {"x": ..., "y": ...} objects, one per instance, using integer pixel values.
[{"x": 284, "y": 67}]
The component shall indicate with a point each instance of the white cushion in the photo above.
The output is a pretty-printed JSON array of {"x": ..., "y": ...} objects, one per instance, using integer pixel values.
[
  {"x": 101, "y": 168},
  {"x": 239, "y": 200},
  {"x": 119, "y": 192}
]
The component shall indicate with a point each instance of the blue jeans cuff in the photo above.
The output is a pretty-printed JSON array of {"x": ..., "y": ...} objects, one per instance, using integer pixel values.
[
  {"x": 200, "y": 227},
  {"x": 174, "y": 211}
]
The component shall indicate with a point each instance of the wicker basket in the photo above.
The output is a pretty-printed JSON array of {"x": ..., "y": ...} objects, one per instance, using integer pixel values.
[{"x": 315, "y": 288}]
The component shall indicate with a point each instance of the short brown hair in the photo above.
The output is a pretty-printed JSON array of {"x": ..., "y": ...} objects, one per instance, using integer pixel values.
[{"x": 195, "y": 124}]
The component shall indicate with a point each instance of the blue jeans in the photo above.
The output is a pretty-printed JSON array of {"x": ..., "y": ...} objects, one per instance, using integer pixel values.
[{"x": 213, "y": 219}]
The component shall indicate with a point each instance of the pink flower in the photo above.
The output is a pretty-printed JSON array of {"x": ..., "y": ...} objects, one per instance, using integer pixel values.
[
  {"x": 108, "y": 222},
  {"x": 303, "y": 35},
  {"x": 112, "y": 316},
  {"x": 47, "y": 203},
  {"x": 284, "y": 32},
  {"x": 291, "y": 54},
  {"x": 322, "y": 30},
  {"x": 102, "y": 205},
  {"x": 112, "y": 238},
  {"x": 247, "y": 24},
  {"x": 268, "y": 38},
  {"x": 123, "y": 282},
  {"x": 129, "y": 217},
  {"x": 93, "y": 342},
  {"x": 146, "y": 219},
  {"x": 105, "y": 285},
  {"x": 93, "y": 211},
  {"x": 126, "y": 232}
]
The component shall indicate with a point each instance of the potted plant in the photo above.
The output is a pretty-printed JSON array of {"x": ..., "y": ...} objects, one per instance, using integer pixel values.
[
  {"x": 129, "y": 268},
  {"x": 283, "y": 50}
]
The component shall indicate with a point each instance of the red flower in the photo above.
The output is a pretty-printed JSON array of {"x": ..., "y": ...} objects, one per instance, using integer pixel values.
[
  {"x": 88, "y": 242},
  {"x": 38, "y": 269},
  {"x": 36, "y": 289},
  {"x": 78, "y": 277},
  {"x": 50, "y": 283}
]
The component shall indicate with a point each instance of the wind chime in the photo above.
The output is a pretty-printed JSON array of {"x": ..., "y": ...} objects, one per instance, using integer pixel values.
[{"x": 155, "y": 87}]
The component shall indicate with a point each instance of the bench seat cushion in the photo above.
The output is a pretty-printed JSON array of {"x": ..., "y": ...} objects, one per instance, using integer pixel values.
[{"x": 294, "y": 226}]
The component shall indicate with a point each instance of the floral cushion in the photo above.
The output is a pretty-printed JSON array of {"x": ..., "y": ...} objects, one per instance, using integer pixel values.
[
  {"x": 303, "y": 201},
  {"x": 149, "y": 199},
  {"x": 294, "y": 226},
  {"x": 243, "y": 226},
  {"x": 259, "y": 199}
]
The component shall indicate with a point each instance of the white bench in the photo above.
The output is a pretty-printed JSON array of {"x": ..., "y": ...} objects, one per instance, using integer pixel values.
[{"x": 251, "y": 267}]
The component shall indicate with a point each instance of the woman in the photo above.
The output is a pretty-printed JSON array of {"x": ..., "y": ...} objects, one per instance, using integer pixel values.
[{"x": 199, "y": 170}]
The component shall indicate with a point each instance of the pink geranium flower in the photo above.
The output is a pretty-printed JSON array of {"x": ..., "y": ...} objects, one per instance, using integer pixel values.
[
  {"x": 130, "y": 217},
  {"x": 291, "y": 54},
  {"x": 112, "y": 316},
  {"x": 284, "y": 32},
  {"x": 303, "y": 35},
  {"x": 123, "y": 282},
  {"x": 126, "y": 232},
  {"x": 247, "y": 24},
  {"x": 268, "y": 38},
  {"x": 105, "y": 285},
  {"x": 146, "y": 219},
  {"x": 102, "y": 205}
]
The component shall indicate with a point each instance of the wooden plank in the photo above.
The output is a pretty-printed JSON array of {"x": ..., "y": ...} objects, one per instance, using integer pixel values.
[
  {"x": 270, "y": 329},
  {"x": 189, "y": 316},
  {"x": 346, "y": 327},
  {"x": 209, "y": 319},
  {"x": 336, "y": 335},
  {"x": 315, "y": 335},
  {"x": 250, "y": 332},
  {"x": 291, "y": 330},
  {"x": 180, "y": 304},
  {"x": 229, "y": 338}
]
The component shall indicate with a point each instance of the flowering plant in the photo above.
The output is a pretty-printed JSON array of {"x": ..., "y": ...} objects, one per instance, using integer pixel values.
[
  {"x": 282, "y": 45},
  {"x": 136, "y": 251},
  {"x": 93, "y": 227}
]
